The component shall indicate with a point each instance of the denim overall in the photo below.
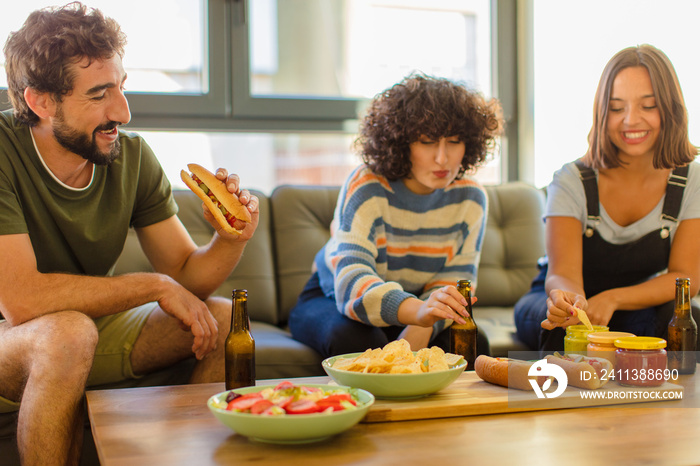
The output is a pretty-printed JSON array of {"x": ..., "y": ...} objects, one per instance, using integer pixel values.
[{"x": 607, "y": 266}]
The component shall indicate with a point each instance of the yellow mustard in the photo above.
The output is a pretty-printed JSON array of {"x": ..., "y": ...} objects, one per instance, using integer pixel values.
[{"x": 575, "y": 340}]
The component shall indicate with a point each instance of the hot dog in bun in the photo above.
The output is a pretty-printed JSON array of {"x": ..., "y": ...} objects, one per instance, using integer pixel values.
[
  {"x": 582, "y": 371},
  {"x": 223, "y": 205},
  {"x": 506, "y": 372}
]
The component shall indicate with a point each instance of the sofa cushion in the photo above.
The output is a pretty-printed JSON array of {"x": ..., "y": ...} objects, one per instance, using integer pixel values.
[
  {"x": 514, "y": 241},
  {"x": 255, "y": 271},
  {"x": 301, "y": 219},
  {"x": 498, "y": 326},
  {"x": 278, "y": 355}
]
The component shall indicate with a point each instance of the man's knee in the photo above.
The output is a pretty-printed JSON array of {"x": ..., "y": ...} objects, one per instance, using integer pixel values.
[
  {"x": 220, "y": 308},
  {"x": 65, "y": 340}
]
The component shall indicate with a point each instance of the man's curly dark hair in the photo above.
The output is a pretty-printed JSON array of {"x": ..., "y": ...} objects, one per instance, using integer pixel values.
[
  {"x": 422, "y": 105},
  {"x": 43, "y": 52}
]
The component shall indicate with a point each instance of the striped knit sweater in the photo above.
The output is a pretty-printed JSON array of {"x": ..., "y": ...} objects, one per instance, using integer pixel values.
[{"x": 390, "y": 244}]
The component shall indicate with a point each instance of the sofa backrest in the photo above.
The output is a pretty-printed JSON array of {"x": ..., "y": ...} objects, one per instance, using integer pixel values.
[
  {"x": 301, "y": 218},
  {"x": 514, "y": 241},
  {"x": 295, "y": 223},
  {"x": 255, "y": 271}
]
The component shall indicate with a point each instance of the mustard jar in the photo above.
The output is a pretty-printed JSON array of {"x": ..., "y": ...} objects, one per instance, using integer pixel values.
[{"x": 575, "y": 340}]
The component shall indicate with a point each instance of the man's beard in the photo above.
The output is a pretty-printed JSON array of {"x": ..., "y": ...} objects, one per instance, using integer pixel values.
[{"x": 84, "y": 144}]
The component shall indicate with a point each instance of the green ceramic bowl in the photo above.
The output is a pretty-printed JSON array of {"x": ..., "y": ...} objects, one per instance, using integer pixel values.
[
  {"x": 298, "y": 428},
  {"x": 394, "y": 385}
]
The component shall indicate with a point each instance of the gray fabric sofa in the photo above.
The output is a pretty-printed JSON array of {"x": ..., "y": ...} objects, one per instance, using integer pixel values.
[{"x": 294, "y": 224}]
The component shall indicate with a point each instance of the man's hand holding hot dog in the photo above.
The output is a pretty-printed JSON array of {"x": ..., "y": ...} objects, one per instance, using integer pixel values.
[
  {"x": 209, "y": 266},
  {"x": 227, "y": 207},
  {"x": 247, "y": 200}
]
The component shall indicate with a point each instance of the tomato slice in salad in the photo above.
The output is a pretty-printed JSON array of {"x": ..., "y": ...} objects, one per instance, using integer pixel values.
[
  {"x": 338, "y": 397},
  {"x": 261, "y": 406},
  {"x": 302, "y": 407},
  {"x": 288, "y": 398},
  {"x": 284, "y": 385},
  {"x": 244, "y": 402},
  {"x": 329, "y": 404}
]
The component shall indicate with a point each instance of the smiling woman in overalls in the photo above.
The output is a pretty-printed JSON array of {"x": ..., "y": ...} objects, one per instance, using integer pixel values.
[{"x": 622, "y": 222}]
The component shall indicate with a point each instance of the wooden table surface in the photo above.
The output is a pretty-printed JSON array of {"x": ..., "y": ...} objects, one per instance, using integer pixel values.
[{"x": 173, "y": 426}]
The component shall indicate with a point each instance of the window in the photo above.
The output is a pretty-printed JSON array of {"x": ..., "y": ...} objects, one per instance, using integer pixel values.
[
  {"x": 178, "y": 67},
  {"x": 357, "y": 48},
  {"x": 273, "y": 89},
  {"x": 171, "y": 68},
  {"x": 572, "y": 44}
]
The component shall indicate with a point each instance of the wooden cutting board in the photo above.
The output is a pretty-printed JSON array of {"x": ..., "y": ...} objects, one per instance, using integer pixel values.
[{"x": 470, "y": 396}]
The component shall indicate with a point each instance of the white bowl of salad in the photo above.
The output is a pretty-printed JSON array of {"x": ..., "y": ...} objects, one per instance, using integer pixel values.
[{"x": 289, "y": 413}]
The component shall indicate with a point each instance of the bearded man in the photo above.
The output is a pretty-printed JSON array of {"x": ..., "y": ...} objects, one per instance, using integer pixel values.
[{"x": 72, "y": 183}]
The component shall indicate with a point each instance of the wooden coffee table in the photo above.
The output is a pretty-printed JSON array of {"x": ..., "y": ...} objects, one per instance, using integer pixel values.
[{"x": 173, "y": 426}]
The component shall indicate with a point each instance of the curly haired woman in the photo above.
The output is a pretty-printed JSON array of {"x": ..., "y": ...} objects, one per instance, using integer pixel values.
[{"x": 407, "y": 226}]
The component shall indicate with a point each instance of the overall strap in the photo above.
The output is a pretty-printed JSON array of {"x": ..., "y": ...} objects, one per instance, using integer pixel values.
[
  {"x": 674, "y": 196},
  {"x": 590, "y": 186},
  {"x": 674, "y": 193}
]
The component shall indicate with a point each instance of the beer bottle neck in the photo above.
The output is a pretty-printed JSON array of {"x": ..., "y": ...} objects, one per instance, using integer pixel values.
[
  {"x": 239, "y": 315},
  {"x": 465, "y": 290},
  {"x": 682, "y": 307}
]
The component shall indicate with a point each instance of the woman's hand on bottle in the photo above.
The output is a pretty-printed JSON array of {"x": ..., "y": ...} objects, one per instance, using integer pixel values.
[
  {"x": 443, "y": 303},
  {"x": 561, "y": 309}
]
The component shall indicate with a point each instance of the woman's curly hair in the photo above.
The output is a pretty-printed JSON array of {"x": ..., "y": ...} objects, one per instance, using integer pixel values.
[
  {"x": 42, "y": 54},
  {"x": 422, "y": 105}
]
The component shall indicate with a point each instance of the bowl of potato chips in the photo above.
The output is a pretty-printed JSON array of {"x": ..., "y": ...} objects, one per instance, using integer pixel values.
[{"x": 395, "y": 371}]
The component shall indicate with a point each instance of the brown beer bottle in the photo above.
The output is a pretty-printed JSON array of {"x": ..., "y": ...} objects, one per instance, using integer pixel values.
[
  {"x": 463, "y": 336},
  {"x": 682, "y": 331},
  {"x": 240, "y": 345}
]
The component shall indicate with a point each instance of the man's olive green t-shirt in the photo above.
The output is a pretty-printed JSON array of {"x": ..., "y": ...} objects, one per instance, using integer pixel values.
[{"x": 78, "y": 231}]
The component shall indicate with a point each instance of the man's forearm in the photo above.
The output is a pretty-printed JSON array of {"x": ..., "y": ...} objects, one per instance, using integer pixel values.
[
  {"x": 209, "y": 266},
  {"x": 94, "y": 296}
]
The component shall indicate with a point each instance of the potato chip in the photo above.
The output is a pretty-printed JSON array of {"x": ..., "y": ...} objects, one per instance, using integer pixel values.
[
  {"x": 412, "y": 367},
  {"x": 453, "y": 359},
  {"x": 424, "y": 355},
  {"x": 437, "y": 360},
  {"x": 377, "y": 366},
  {"x": 396, "y": 350},
  {"x": 396, "y": 357}
]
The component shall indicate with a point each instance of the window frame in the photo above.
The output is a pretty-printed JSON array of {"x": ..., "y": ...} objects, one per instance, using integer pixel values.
[
  {"x": 245, "y": 105},
  {"x": 213, "y": 103},
  {"x": 229, "y": 106}
]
